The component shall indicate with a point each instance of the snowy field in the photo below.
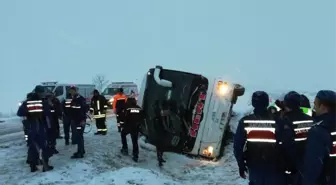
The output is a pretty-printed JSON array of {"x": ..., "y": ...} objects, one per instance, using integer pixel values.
[{"x": 104, "y": 165}]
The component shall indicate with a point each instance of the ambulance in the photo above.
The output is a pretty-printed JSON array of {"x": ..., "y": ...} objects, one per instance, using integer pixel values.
[{"x": 194, "y": 110}]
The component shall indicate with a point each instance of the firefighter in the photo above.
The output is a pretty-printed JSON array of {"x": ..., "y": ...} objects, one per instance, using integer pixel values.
[
  {"x": 37, "y": 112},
  {"x": 256, "y": 147},
  {"x": 66, "y": 107},
  {"x": 55, "y": 109},
  {"x": 293, "y": 128},
  {"x": 78, "y": 118},
  {"x": 320, "y": 154},
  {"x": 118, "y": 106},
  {"x": 132, "y": 120},
  {"x": 98, "y": 109}
]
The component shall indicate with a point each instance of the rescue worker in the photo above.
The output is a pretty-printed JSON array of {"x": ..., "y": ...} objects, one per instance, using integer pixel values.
[
  {"x": 161, "y": 113},
  {"x": 98, "y": 109},
  {"x": 37, "y": 112},
  {"x": 24, "y": 121},
  {"x": 255, "y": 145},
  {"x": 118, "y": 106},
  {"x": 292, "y": 130},
  {"x": 78, "y": 118},
  {"x": 56, "y": 113},
  {"x": 66, "y": 108},
  {"x": 133, "y": 117},
  {"x": 320, "y": 154}
]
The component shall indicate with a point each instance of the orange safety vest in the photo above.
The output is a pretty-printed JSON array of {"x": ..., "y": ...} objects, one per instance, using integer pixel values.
[{"x": 117, "y": 97}]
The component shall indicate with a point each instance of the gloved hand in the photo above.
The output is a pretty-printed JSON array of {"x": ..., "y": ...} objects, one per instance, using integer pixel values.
[{"x": 242, "y": 172}]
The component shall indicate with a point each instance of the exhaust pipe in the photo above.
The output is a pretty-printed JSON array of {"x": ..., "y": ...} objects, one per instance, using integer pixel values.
[{"x": 162, "y": 82}]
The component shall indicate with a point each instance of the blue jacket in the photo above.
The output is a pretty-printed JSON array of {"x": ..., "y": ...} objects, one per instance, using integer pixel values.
[
  {"x": 79, "y": 108},
  {"x": 38, "y": 123},
  {"x": 293, "y": 144},
  {"x": 318, "y": 149},
  {"x": 252, "y": 154}
]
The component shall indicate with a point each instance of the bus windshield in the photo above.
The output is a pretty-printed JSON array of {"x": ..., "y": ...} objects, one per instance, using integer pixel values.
[{"x": 110, "y": 91}]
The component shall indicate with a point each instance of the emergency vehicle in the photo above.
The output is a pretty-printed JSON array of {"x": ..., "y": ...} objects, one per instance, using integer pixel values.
[
  {"x": 61, "y": 89},
  {"x": 195, "y": 111},
  {"x": 130, "y": 88}
]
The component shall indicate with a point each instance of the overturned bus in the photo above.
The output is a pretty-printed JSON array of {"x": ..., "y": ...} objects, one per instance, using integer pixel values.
[{"x": 194, "y": 111}]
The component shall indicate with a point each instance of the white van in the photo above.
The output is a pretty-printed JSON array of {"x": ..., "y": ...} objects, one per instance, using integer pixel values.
[
  {"x": 61, "y": 89},
  {"x": 196, "y": 110},
  {"x": 130, "y": 88}
]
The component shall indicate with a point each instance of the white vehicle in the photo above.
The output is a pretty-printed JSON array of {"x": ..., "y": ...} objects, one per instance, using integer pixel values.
[
  {"x": 194, "y": 110},
  {"x": 130, "y": 88},
  {"x": 61, "y": 89}
]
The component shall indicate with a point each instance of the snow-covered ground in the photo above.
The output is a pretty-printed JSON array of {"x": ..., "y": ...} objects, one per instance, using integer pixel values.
[{"x": 103, "y": 163}]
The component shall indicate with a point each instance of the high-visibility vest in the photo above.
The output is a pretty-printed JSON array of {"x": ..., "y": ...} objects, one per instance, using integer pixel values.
[{"x": 260, "y": 131}]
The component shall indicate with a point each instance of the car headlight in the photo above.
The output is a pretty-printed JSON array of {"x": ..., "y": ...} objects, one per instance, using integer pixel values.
[
  {"x": 111, "y": 100},
  {"x": 20, "y": 103},
  {"x": 208, "y": 151},
  {"x": 222, "y": 88}
]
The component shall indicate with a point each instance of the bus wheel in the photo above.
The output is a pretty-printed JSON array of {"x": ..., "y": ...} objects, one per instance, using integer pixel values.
[{"x": 239, "y": 90}]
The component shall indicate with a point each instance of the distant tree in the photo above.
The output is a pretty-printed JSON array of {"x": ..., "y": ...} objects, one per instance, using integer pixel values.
[{"x": 100, "y": 81}]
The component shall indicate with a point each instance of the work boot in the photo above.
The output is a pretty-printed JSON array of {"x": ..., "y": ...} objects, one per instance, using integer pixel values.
[
  {"x": 66, "y": 142},
  {"x": 103, "y": 133},
  {"x": 124, "y": 151},
  {"x": 56, "y": 151},
  {"x": 97, "y": 133},
  {"x": 47, "y": 168},
  {"x": 135, "y": 158},
  {"x": 59, "y": 137},
  {"x": 77, "y": 156},
  {"x": 33, "y": 168}
]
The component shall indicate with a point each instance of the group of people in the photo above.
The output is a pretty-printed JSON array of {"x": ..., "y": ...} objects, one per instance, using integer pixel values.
[
  {"x": 41, "y": 113},
  {"x": 290, "y": 146}
]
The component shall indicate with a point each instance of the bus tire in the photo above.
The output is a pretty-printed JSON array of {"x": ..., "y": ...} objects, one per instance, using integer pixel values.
[{"x": 239, "y": 90}]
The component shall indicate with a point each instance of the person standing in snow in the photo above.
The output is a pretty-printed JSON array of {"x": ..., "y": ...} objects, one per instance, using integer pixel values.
[
  {"x": 319, "y": 161},
  {"x": 292, "y": 130},
  {"x": 66, "y": 109},
  {"x": 256, "y": 145},
  {"x": 78, "y": 118},
  {"x": 25, "y": 123},
  {"x": 37, "y": 112},
  {"x": 98, "y": 108},
  {"x": 133, "y": 118},
  {"x": 118, "y": 107},
  {"x": 55, "y": 109}
]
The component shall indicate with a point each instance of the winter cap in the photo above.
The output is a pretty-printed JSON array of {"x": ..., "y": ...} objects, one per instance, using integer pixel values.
[
  {"x": 292, "y": 100},
  {"x": 95, "y": 91},
  {"x": 121, "y": 90},
  {"x": 304, "y": 101},
  {"x": 260, "y": 99},
  {"x": 327, "y": 96}
]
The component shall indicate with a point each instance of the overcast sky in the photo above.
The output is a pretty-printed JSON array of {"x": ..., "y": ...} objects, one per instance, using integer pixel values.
[{"x": 261, "y": 43}]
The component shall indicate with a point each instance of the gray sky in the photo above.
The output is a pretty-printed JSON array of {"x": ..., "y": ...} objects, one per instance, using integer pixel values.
[{"x": 264, "y": 44}]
